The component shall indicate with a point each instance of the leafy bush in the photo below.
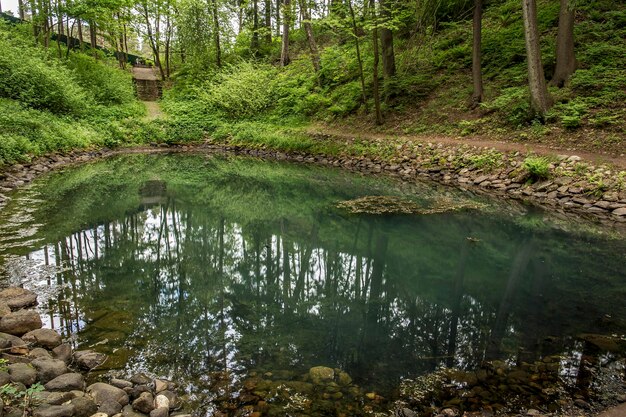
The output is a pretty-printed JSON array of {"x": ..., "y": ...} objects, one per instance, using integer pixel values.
[
  {"x": 514, "y": 103},
  {"x": 240, "y": 91},
  {"x": 537, "y": 167},
  {"x": 27, "y": 75},
  {"x": 108, "y": 85},
  {"x": 28, "y": 132},
  {"x": 346, "y": 98}
]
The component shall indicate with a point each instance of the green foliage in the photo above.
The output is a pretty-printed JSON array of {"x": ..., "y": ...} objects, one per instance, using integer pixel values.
[
  {"x": 29, "y": 76},
  {"x": 345, "y": 98},
  {"x": 108, "y": 85},
  {"x": 514, "y": 103},
  {"x": 537, "y": 167},
  {"x": 242, "y": 90},
  {"x": 28, "y": 132},
  {"x": 487, "y": 161},
  {"x": 12, "y": 395}
]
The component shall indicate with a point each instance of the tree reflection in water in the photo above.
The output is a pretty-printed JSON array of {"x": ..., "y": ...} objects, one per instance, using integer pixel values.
[{"x": 192, "y": 292}]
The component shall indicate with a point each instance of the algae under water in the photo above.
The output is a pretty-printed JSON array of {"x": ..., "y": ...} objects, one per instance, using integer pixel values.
[{"x": 234, "y": 277}]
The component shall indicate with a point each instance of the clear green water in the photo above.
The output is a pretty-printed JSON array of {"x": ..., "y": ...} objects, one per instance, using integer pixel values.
[{"x": 209, "y": 270}]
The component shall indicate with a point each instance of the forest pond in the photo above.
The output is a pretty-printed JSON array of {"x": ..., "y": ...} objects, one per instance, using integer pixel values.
[{"x": 244, "y": 282}]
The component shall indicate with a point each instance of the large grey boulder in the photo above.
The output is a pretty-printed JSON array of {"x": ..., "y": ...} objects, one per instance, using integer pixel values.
[
  {"x": 84, "y": 407},
  {"x": 54, "y": 411},
  {"x": 48, "y": 369},
  {"x": 110, "y": 408},
  {"x": 20, "y": 322},
  {"x": 21, "y": 372},
  {"x": 144, "y": 403},
  {"x": 66, "y": 382},
  {"x": 54, "y": 398},
  {"x": 160, "y": 412},
  {"x": 63, "y": 352},
  {"x": 17, "y": 298},
  {"x": 13, "y": 344},
  {"x": 47, "y": 338},
  {"x": 102, "y": 392},
  {"x": 128, "y": 411},
  {"x": 39, "y": 353}
]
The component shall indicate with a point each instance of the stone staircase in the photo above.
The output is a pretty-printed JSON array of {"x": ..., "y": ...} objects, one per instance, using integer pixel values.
[{"x": 147, "y": 83}]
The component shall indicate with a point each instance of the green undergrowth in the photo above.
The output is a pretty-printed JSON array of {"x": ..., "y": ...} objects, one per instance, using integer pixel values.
[
  {"x": 51, "y": 103},
  {"x": 432, "y": 89}
]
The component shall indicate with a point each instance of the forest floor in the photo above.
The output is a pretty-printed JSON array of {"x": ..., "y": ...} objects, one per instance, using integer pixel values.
[{"x": 615, "y": 156}]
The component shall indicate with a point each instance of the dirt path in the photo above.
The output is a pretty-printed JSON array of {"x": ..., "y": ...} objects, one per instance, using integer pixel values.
[
  {"x": 617, "y": 160},
  {"x": 153, "y": 110}
]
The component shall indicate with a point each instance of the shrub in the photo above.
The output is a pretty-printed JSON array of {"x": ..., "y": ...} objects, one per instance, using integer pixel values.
[
  {"x": 537, "y": 167},
  {"x": 26, "y": 132},
  {"x": 108, "y": 85},
  {"x": 240, "y": 91},
  {"x": 27, "y": 75},
  {"x": 514, "y": 103}
]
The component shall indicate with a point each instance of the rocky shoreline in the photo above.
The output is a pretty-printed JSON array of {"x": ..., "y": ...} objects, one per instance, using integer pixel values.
[
  {"x": 573, "y": 188},
  {"x": 42, "y": 376}
]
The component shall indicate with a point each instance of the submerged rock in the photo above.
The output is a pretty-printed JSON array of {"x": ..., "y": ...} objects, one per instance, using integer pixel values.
[
  {"x": 128, "y": 411},
  {"x": 89, "y": 359},
  {"x": 321, "y": 374},
  {"x": 159, "y": 412}
]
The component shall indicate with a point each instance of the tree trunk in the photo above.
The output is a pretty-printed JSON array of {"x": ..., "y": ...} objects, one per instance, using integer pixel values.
[
  {"x": 60, "y": 29},
  {"x": 80, "y": 35},
  {"x": 565, "y": 58},
  {"x": 168, "y": 44},
  {"x": 240, "y": 4},
  {"x": 284, "y": 52},
  {"x": 20, "y": 8},
  {"x": 358, "y": 53},
  {"x": 268, "y": 21},
  {"x": 154, "y": 40},
  {"x": 254, "y": 45},
  {"x": 34, "y": 20},
  {"x": 278, "y": 3},
  {"x": 216, "y": 35},
  {"x": 477, "y": 76},
  {"x": 121, "y": 58},
  {"x": 540, "y": 100},
  {"x": 70, "y": 33},
  {"x": 379, "y": 117},
  {"x": 308, "y": 28},
  {"x": 92, "y": 38},
  {"x": 386, "y": 43}
]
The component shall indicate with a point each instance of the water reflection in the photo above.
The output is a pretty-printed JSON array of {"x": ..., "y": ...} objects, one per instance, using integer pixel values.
[{"x": 191, "y": 292}]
